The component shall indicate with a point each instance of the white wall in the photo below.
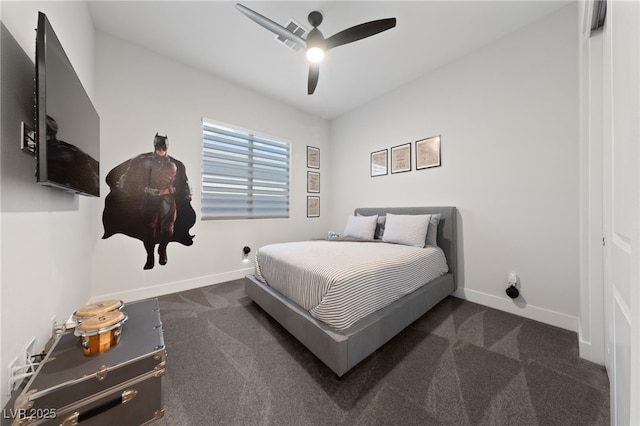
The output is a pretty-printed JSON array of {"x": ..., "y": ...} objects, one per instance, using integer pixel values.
[
  {"x": 508, "y": 116},
  {"x": 47, "y": 235},
  {"x": 140, "y": 93}
]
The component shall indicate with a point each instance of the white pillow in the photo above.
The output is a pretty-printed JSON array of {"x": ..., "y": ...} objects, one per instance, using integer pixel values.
[
  {"x": 407, "y": 229},
  {"x": 362, "y": 227}
]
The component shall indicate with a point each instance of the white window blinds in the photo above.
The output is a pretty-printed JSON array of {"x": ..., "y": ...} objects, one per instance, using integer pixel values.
[{"x": 243, "y": 175}]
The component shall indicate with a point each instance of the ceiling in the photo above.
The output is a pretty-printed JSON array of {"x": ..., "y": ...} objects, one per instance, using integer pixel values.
[{"x": 215, "y": 37}]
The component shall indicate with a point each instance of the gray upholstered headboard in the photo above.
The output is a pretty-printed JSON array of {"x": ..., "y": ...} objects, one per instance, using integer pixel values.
[{"x": 447, "y": 235}]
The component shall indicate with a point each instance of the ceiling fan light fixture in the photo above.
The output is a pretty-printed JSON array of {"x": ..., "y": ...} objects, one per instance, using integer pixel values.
[
  {"x": 315, "y": 40},
  {"x": 315, "y": 54}
]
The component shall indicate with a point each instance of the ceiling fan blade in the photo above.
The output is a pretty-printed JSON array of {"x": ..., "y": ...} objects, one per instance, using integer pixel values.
[
  {"x": 270, "y": 25},
  {"x": 359, "y": 32},
  {"x": 314, "y": 73}
]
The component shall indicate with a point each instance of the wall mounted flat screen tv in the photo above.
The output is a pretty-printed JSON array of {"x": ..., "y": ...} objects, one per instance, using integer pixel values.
[{"x": 67, "y": 127}]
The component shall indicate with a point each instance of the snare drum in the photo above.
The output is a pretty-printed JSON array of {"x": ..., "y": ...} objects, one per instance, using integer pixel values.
[
  {"x": 101, "y": 332},
  {"x": 96, "y": 309}
]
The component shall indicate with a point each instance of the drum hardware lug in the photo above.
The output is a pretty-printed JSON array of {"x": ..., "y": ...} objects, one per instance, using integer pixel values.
[
  {"x": 128, "y": 395},
  {"x": 101, "y": 373},
  {"x": 71, "y": 420}
]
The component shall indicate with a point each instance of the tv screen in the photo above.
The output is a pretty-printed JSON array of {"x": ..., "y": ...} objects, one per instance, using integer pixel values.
[{"x": 67, "y": 124}]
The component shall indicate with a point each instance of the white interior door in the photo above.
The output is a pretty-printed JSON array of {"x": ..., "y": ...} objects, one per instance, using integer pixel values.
[{"x": 621, "y": 194}]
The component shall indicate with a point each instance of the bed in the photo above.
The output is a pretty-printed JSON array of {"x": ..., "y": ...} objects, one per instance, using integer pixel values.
[{"x": 344, "y": 344}]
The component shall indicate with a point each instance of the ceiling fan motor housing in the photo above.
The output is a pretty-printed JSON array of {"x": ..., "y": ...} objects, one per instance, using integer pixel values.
[{"x": 315, "y": 18}]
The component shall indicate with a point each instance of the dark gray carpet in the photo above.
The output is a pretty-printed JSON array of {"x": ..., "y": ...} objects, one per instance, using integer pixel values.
[{"x": 229, "y": 363}]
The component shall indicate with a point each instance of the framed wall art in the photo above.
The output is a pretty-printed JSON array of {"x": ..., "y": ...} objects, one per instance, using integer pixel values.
[
  {"x": 313, "y": 157},
  {"x": 428, "y": 153},
  {"x": 379, "y": 162},
  {"x": 313, "y": 206},
  {"x": 401, "y": 158},
  {"x": 313, "y": 181}
]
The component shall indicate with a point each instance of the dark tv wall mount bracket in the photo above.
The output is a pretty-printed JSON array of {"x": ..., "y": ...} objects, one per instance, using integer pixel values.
[{"x": 28, "y": 139}]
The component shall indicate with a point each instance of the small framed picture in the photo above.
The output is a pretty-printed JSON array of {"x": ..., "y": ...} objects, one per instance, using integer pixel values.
[
  {"x": 313, "y": 182},
  {"x": 428, "y": 153},
  {"x": 401, "y": 158},
  {"x": 313, "y": 157},
  {"x": 313, "y": 206},
  {"x": 379, "y": 162}
]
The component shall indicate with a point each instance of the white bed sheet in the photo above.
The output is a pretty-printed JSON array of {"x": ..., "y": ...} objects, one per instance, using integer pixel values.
[{"x": 340, "y": 282}]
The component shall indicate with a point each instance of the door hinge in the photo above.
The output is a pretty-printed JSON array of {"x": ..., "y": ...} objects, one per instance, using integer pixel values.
[{"x": 603, "y": 241}]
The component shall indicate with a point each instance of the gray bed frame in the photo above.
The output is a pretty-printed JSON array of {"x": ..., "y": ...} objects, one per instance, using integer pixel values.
[{"x": 342, "y": 350}]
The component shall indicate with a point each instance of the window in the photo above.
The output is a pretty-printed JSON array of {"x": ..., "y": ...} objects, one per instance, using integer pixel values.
[{"x": 243, "y": 175}]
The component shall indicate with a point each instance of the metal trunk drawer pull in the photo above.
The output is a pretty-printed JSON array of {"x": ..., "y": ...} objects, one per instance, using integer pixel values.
[
  {"x": 76, "y": 417},
  {"x": 128, "y": 395}
]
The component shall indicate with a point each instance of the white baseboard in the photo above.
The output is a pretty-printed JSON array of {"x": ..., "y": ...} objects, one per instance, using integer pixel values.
[
  {"x": 584, "y": 349},
  {"x": 173, "y": 287},
  {"x": 590, "y": 351},
  {"x": 546, "y": 316},
  {"x": 521, "y": 308}
]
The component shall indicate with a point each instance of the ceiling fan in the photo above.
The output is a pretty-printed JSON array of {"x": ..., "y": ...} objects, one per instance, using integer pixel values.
[{"x": 315, "y": 43}]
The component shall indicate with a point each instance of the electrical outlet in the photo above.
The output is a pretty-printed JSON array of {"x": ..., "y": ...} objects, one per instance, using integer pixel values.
[
  {"x": 11, "y": 386},
  {"x": 30, "y": 351},
  {"x": 513, "y": 278}
]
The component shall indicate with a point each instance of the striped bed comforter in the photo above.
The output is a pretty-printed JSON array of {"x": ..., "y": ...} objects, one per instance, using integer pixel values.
[{"x": 340, "y": 282}]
